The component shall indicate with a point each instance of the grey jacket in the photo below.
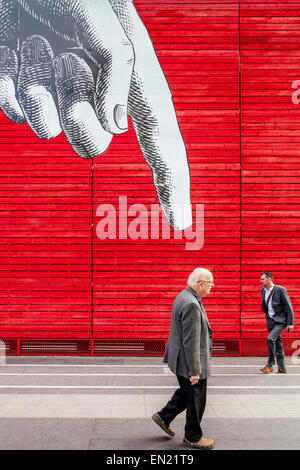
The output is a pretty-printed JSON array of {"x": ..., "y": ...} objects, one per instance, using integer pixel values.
[
  {"x": 189, "y": 346},
  {"x": 281, "y": 304}
]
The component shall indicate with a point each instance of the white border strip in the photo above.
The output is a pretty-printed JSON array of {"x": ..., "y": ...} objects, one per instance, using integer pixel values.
[
  {"x": 149, "y": 387},
  {"x": 167, "y": 374},
  {"x": 127, "y": 365}
]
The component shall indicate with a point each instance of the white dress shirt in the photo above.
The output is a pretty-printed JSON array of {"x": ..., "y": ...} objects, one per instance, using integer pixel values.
[{"x": 271, "y": 312}]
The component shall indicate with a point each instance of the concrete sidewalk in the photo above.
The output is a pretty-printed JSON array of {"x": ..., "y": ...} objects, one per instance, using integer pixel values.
[{"x": 107, "y": 403}]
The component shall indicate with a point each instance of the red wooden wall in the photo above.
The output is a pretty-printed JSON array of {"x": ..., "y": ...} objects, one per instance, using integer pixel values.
[
  {"x": 270, "y": 156},
  {"x": 230, "y": 66}
]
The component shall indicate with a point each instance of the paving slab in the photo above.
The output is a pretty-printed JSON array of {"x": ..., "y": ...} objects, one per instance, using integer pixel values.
[
  {"x": 229, "y": 434},
  {"x": 30, "y": 433}
]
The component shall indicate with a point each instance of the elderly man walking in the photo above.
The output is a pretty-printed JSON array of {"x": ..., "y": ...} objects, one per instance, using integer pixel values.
[{"x": 188, "y": 355}]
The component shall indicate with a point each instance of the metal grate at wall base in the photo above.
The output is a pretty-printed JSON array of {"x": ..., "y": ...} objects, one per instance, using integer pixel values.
[
  {"x": 108, "y": 347},
  {"x": 8, "y": 346},
  {"x": 226, "y": 347},
  {"x": 129, "y": 347},
  {"x": 57, "y": 347}
]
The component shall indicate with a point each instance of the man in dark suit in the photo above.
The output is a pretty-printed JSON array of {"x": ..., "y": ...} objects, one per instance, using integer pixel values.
[
  {"x": 188, "y": 355},
  {"x": 278, "y": 309}
]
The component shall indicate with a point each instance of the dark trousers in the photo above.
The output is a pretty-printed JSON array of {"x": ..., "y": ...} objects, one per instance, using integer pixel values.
[
  {"x": 274, "y": 342},
  {"x": 191, "y": 398}
]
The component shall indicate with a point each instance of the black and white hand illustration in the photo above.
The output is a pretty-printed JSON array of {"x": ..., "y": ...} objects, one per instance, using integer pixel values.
[{"x": 83, "y": 66}]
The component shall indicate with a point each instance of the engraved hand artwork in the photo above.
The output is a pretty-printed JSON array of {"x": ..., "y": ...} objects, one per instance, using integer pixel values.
[{"x": 83, "y": 66}]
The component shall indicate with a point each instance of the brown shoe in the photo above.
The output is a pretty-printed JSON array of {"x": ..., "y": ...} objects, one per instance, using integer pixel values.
[
  {"x": 266, "y": 370},
  {"x": 157, "y": 419},
  {"x": 281, "y": 372},
  {"x": 203, "y": 444}
]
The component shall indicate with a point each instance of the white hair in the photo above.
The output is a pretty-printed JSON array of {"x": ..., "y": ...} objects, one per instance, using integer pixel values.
[{"x": 196, "y": 276}]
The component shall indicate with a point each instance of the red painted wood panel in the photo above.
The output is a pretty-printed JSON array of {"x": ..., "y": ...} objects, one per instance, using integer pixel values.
[
  {"x": 135, "y": 281},
  {"x": 45, "y": 255},
  {"x": 270, "y": 155},
  {"x": 240, "y": 126}
]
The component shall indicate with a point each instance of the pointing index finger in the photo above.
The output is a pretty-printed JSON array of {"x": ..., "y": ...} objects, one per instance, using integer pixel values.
[{"x": 152, "y": 111}]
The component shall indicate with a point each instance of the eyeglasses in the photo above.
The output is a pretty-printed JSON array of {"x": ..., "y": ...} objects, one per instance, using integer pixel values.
[{"x": 210, "y": 282}]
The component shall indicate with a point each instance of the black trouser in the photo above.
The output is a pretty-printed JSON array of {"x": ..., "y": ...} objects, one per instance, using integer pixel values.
[
  {"x": 193, "y": 399},
  {"x": 274, "y": 342}
]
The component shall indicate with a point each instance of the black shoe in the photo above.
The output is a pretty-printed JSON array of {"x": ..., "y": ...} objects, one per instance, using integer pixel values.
[
  {"x": 203, "y": 444},
  {"x": 157, "y": 419}
]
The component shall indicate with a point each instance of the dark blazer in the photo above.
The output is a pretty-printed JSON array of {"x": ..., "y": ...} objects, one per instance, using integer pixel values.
[
  {"x": 189, "y": 346},
  {"x": 281, "y": 304}
]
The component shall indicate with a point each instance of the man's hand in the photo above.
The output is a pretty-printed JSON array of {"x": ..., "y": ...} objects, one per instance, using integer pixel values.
[
  {"x": 290, "y": 327},
  {"x": 194, "y": 379},
  {"x": 53, "y": 93}
]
